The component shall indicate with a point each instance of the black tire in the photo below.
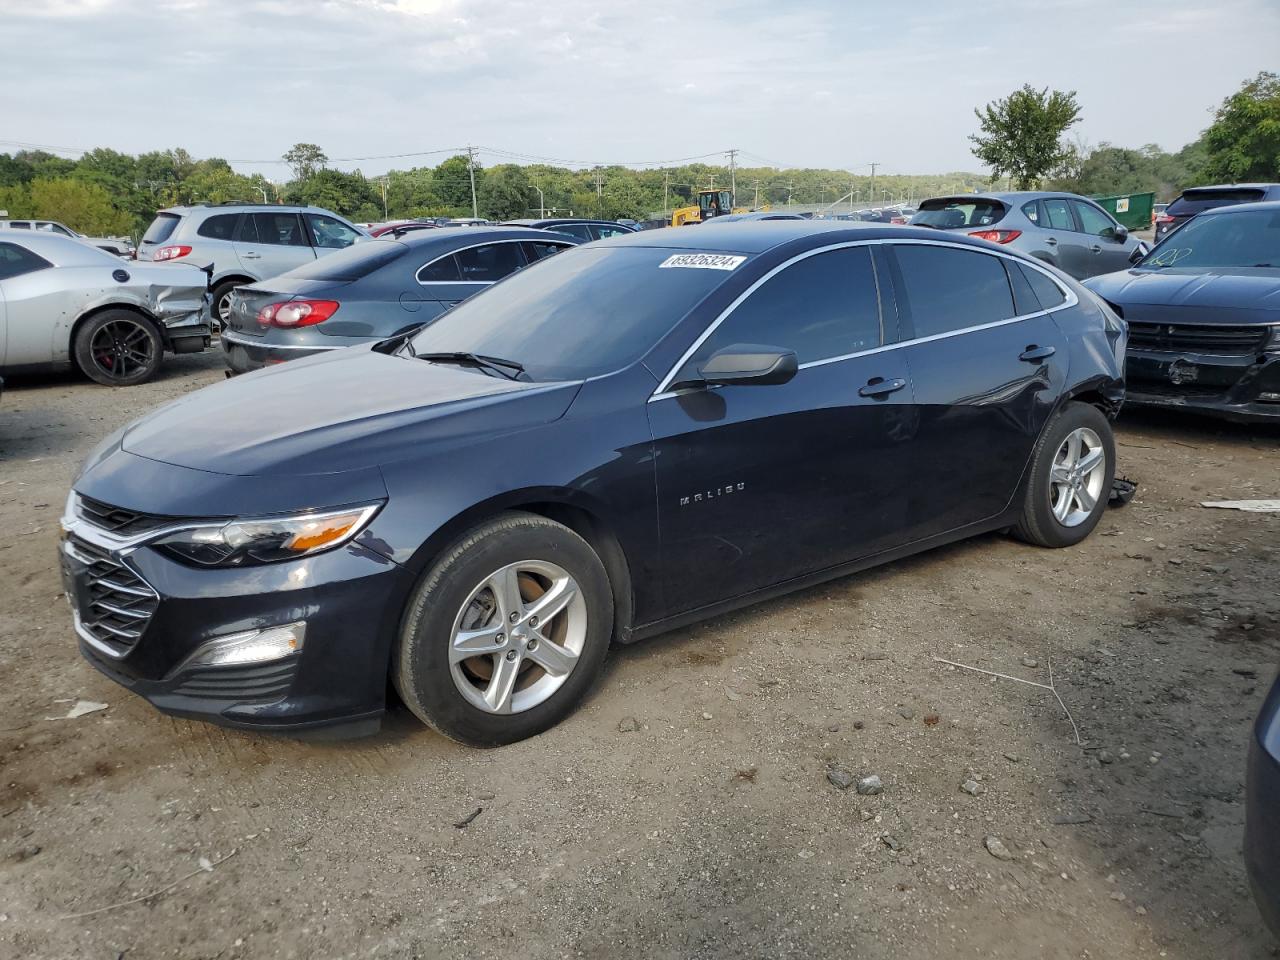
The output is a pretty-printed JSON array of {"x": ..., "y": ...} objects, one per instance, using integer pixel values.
[
  {"x": 421, "y": 670},
  {"x": 220, "y": 293},
  {"x": 118, "y": 348},
  {"x": 1038, "y": 524}
]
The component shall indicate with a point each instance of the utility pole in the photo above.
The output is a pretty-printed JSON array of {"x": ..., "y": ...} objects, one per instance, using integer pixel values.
[
  {"x": 599, "y": 190},
  {"x": 755, "y": 204},
  {"x": 542, "y": 202},
  {"x": 791, "y": 186},
  {"x": 713, "y": 181},
  {"x": 666, "y": 183},
  {"x": 471, "y": 169},
  {"x": 871, "y": 192},
  {"x": 384, "y": 199},
  {"x": 733, "y": 177}
]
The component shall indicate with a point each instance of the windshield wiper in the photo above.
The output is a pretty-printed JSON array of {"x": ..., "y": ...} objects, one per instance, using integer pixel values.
[{"x": 507, "y": 368}]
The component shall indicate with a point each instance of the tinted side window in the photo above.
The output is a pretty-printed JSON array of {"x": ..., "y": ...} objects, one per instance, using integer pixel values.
[
  {"x": 16, "y": 260},
  {"x": 538, "y": 250},
  {"x": 280, "y": 229},
  {"x": 1093, "y": 220},
  {"x": 444, "y": 270},
  {"x": 330, "y": 232},
  {"x": 489, "y": 263},
  {"x": 20, "y": 225},
  {"x": 944, "y": 289},
  {"x": 579, "y": 230},
  {"x": 221, "y": 227},
  {"x": 822, "y": 306},
  {"x": 1048, "y": 293},
  {"x": 603, "y": 231},
  {"x": 1058, "y": 214}
]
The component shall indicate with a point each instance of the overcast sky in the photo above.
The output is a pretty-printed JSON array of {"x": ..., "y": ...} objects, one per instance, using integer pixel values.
[{"x": 821, "y": 83}]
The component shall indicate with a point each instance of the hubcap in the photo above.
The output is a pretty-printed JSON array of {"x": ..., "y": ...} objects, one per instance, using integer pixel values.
[
  {"x": 1075, "y": 480},
  {"x": 122, "y": 348},
  {"x": 518, "y": 637}
]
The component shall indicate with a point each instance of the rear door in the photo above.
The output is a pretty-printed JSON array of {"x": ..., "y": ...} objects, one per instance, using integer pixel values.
[
  {"x": 761, "y": 484},
  {"x": 272, "y": 242},
  {"x": 986, "y": 371},
  {"x": 1070, "y": 247}
]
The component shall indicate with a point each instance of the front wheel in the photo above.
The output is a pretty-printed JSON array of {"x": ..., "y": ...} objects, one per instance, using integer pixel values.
[
  {"x": 1072, "y": 470},
  {"x": 118, "y": 348},
  {"x": 506, "y": 632}
]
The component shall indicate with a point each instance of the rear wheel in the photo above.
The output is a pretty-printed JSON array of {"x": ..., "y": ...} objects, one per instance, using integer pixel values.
[
  {"x": 1070, "y": 481},
  {"x": 222, "y": 302},
  {"x": 118, "y": 348},
  {"x": 506, "y": 632}
]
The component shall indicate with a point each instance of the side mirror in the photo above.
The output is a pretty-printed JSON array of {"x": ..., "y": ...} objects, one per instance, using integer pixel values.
[
  {"x": 1121, "y": 233},
  {"x": 1140, "y": 251},
  {"x": 750, "y": 364}
]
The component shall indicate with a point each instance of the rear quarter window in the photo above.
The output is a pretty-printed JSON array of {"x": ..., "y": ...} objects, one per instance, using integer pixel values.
[
  {"x": 1047, "y": 292},
  {"x": 16, "y": 260},
  {"x": 161, "y": 228}
]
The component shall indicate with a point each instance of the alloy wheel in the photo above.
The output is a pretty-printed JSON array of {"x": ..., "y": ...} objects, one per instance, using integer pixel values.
[
  {"x": 1076, "y": 478},
  {"x": 122, "y": 348},
  {"x": 517, "y": 637}
]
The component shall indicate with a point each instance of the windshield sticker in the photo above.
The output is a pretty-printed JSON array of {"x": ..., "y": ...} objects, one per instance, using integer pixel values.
[{"x": 703, "y": 261}]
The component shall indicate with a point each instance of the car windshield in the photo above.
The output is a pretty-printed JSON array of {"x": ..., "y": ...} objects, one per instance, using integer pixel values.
[
  {"x": 954, "y": 214},
  {"x": 1240, "y": 239},
  {"x": 161, "y": 228},
  {"x": 581, "y": 313},
  {"x": 351, "y": 263}
]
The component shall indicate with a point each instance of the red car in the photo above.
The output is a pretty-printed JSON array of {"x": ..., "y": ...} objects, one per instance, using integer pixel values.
[{"x": 401, "y": 227}]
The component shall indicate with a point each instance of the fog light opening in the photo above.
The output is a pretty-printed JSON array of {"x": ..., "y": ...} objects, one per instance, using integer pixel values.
[{"x": 252, "y": 646}]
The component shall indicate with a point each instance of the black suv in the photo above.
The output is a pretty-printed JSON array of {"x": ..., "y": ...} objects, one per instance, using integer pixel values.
[{"x": 1199, "y": 199}]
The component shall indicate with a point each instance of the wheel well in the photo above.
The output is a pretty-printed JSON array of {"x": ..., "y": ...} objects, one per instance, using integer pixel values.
[
  {"x": 1097, "y": 399},
  {"x": 90, "y": 314},
  {"x": 235, "y": 278},
  {"x": 603, "y": 541}
]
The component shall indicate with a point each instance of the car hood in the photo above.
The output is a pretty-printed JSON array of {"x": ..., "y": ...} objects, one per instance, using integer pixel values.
[
  {"x": 1242, "y": 295},
  {"x": 338, "y": 412}
]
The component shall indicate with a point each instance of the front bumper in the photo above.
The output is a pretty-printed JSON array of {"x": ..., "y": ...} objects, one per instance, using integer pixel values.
[
  {"x": 336, "y": 684},
  {"x": 1244, "y": 388},
  {"x": 1262, "y": 812},
  {"x": 243, "y": 354}
]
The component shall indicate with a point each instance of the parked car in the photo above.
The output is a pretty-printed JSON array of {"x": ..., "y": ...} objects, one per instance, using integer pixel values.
[
  {"x": 1203, "y": 310},
  {"x": 373, "y": 291},
  {"x": 1196, "y": 200},
  {"x": 755, "y": 215},
  {"x": 245, "y": 241},
  {"x": 1073, "y": 233},
  {"x": 585, "y": 230},
  {"x": 633, "y": 435},
  {"x": 401, "y": 226},
  {"x": 66, "y": 304},
  {"x": 119, "y": 246},
  {"x": 464, "y": 222},
  {"x": 1262, "y": 811}
]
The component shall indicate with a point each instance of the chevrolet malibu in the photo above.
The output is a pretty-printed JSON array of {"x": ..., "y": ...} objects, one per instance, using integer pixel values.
[{"x": 621, "y": 439}]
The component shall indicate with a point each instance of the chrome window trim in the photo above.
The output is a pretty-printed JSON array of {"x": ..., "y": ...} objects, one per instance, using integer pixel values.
[
  {"x": 474, "y": 246},
  {"x": 663, "y": 390}
]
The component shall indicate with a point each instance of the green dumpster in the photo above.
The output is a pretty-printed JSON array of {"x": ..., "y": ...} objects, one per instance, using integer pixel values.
[{"x": 1131, "y": 209}]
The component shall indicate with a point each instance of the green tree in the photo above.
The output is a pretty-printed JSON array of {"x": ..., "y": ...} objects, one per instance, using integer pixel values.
[
  {"x": 452, "y": 182},
  {"x": 304, "y": 159},
  {"x": 1243, "y": 143},
  {"x": 86, "y": 207},
  {"x": 504, "y": 193},
  {"x": 1022, "y": 134},
  {"x": 349, "y": 194},
  {"x": 45, "y": 165},
  {"x": 13, "y": 171}
]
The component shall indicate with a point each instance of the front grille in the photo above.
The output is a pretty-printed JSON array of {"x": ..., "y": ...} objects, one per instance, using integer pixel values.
[
  {"x": 1198, "y": 338},
  {"x": 118, "y": 520},
  {"x": 116, "y": 604}
]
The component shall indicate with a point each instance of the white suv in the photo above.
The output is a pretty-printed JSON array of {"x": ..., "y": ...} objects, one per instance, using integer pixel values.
[{"x": 245, "y": 242}]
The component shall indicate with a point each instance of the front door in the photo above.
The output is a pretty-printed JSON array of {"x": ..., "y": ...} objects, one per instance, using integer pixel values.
[
  {"x": 986, "y": 371},
  {"x": 761, "y": 484},
  {"x": 1070, "y": 247},
  {"x": 1109, "y": 253},
  {"x": 271, "y": 243}
]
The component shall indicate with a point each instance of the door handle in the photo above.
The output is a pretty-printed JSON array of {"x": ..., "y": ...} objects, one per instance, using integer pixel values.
[
  {"x": 251, "y": 255},
  {"x": 1096, "y": 249},
  {"x": 880, "y": 387},
  {"x": 1051, "y": 241},
  {"x": 1034, "y": 353}
]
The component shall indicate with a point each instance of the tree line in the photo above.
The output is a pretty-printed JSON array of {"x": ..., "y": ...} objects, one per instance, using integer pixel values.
[{"x": 1021, "y": 139}]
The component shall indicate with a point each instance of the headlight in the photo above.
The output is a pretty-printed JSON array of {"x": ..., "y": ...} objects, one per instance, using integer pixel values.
[{"x": 267, "y": 539}]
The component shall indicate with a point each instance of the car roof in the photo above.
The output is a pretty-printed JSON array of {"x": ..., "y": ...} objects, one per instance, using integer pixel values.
[
  {"x": 1233, "y": 186},
  {"x": 1233, "y": 208},
  {"x": 551, "y": 221},
  {"x": 61, "y": 250},
  {"x": 1009, "y": 196},
  {"x": 448, "y": 237},
  {"x": 237, "y": 207},
  {"x": 758, "y": 236}
]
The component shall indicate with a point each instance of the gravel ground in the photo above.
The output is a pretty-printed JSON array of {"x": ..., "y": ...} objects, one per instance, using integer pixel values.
[{"x": 694, "y": 807}]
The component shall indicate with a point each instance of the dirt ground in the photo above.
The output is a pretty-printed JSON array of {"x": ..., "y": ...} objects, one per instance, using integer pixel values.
[{"x": 686, "y": 811}]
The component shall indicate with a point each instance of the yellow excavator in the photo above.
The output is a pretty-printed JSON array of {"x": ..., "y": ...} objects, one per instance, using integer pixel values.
[{"x": 711, "y": 203}]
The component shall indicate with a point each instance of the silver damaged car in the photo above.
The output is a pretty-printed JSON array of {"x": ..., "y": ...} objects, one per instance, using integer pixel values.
[{"x": 64, "y": 303}]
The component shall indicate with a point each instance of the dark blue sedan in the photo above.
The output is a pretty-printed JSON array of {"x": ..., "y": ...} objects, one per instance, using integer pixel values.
[
  {"x": 1262, "y": 812},
  {"x": 633, "y": 435},
  {"x": 1204, "y": 316},
  {"x": 374, "y": 290}
]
